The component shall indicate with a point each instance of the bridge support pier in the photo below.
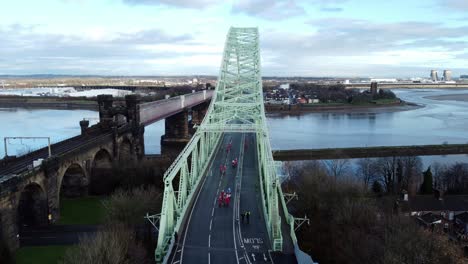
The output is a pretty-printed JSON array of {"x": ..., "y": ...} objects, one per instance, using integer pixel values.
[
  {"x": 8, "y": 222},
  {"x": 176, "y": 134},
  {"x": 139, "y": 142},
  {"x": 105, "y": 109},
  {"x": 51, "y": 169},
  {"x": 198, "y": 113},
  {"x": 84, "y": 124}
]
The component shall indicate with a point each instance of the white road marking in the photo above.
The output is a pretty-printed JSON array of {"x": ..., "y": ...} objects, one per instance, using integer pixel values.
[
  {"x": 211, "y": 221},
  {"x": 253, "y": 256},
  {"x": 209, "y": 258},
  {"x": 269, "y": 254},
  {"x": 212, "y": 211},
  {"x": 190, "y": 217},
  {"x": 236, "y": 197},
  {"x": 209, "y": 240}
]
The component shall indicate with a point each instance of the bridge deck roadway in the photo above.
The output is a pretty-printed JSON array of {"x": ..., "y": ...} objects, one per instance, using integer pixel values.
[{"x": 216, "y": 234}]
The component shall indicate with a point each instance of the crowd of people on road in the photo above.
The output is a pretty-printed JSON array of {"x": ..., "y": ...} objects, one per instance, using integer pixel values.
[{"x": 224, "y": 198}]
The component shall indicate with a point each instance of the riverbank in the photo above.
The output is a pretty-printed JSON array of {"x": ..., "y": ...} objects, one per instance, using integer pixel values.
[
  {"x": 409, "y": 85},
  {"x": 362, "y": 108},
  {"x": 449, "y": 97},
  {"x": 48, "y": 102},
  {"x": 86, "y": 103}
]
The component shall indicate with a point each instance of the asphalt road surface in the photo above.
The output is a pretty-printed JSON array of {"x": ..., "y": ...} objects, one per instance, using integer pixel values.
[{"x": 215, "y": 234}]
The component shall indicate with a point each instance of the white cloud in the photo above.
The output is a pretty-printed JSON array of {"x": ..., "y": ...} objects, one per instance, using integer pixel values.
[
  {"x": 177, "y": 3},
  {"x": 279, "y": 9},
  {"x": 461, "y": 5}
]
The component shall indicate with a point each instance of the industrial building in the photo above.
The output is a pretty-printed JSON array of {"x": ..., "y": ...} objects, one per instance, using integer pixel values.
[
  {"x": 434, "y": 76},
  {"x": 447, "y": 75}
]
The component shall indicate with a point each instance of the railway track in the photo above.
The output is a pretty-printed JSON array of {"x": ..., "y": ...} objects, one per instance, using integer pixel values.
[{"x": 24, "y": 163}]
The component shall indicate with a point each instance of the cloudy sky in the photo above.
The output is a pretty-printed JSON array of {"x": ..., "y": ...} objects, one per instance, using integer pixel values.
[{"x": 344, "y": 38}]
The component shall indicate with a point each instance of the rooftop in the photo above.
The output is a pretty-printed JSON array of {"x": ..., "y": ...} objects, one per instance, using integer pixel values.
[{"x": 420, "y": 203}]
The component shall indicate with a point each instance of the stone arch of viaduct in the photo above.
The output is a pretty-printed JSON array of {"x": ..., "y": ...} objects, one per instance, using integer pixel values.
[
  {"x": 33, "y": 196},
  {"x": 36, "y": 197}
]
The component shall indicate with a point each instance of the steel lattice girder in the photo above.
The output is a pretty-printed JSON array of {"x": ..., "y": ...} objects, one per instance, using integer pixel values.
[{"x": 236, "y": 106}]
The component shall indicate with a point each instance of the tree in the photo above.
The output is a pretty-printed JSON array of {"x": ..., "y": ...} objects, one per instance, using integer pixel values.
[
  {"x": 337, "y": 167},
  {"x": 129, "y": 207},
  {"x": 426, "y": 187},
  {"x": 377, "y": 187},
  {"x": 412, "y": 167},
  {"x": 352, "y": 227},
  {"x": 5, "y": 253},
  {"x": 366, "y": 169},
  {"x": 387, "y": 172},
  {"x": 115, "y": 244}
]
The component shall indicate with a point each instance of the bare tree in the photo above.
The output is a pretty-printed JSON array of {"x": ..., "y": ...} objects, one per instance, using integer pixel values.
[
  {"x": 387, "y": 172},
  {"x": 411, "y": 172},
  {"x": 439, "y": 179},
  {"x": 352, "y": 227},
  {"x": 366, "y": 170},
  {"x": 129, "y": 207},
  {"x": 115, "y": 244},
  {"x": 337, "y": 167}
]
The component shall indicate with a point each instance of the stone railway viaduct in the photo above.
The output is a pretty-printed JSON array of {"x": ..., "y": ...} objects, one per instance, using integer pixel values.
[{"x": 31, "y": 195}]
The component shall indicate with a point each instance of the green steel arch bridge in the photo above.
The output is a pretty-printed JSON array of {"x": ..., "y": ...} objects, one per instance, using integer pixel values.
[{"x": 195, "y": 225}]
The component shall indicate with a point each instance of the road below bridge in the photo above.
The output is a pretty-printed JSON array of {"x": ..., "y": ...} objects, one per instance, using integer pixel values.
[{"x": 369, "y": 152}]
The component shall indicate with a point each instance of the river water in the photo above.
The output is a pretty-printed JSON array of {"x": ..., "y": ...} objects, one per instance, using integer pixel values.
[{"x": 435, "y": 123}]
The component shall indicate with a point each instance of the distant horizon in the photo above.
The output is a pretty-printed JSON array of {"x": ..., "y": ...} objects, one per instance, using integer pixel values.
[
  {"x": 46, "y": 75},
  {"x": 336, "y": 38}
]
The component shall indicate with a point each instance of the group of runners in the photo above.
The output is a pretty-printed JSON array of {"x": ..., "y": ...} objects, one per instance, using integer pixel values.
[
  {"x": 224, "y": 198},
  {"x": 222, "y": 167}
]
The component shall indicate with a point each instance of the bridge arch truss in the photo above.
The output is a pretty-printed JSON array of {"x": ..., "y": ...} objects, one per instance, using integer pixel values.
[{"x": 236, "y": 106}]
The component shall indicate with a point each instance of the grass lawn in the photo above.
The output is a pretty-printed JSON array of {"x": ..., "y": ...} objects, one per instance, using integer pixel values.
[
  {"x": 81, "y": 211},
  {"x": 40, "y": 255}
]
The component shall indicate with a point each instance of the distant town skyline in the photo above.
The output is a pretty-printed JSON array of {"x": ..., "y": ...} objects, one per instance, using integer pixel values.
[{"x": 316, "y": 38}]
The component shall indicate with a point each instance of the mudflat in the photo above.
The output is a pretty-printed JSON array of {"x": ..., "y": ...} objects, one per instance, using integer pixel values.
[{"x": 449, "y": 97}]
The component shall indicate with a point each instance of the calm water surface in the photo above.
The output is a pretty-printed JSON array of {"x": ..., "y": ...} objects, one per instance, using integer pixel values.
[
  {"x": 58, "y": 125},
  {"x": 435, "y": 123}
]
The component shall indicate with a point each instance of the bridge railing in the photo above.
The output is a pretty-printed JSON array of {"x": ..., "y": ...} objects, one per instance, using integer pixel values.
[
  {"x": 268, "y": 185},
  {"x": 154, "y": 111},
  {"x": 185, "y": 174}
]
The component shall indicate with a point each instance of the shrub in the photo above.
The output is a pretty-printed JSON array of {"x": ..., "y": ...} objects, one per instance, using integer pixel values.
[
  {"x": 115, "y": 244},
  {"x": 129, "y": 207}
]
